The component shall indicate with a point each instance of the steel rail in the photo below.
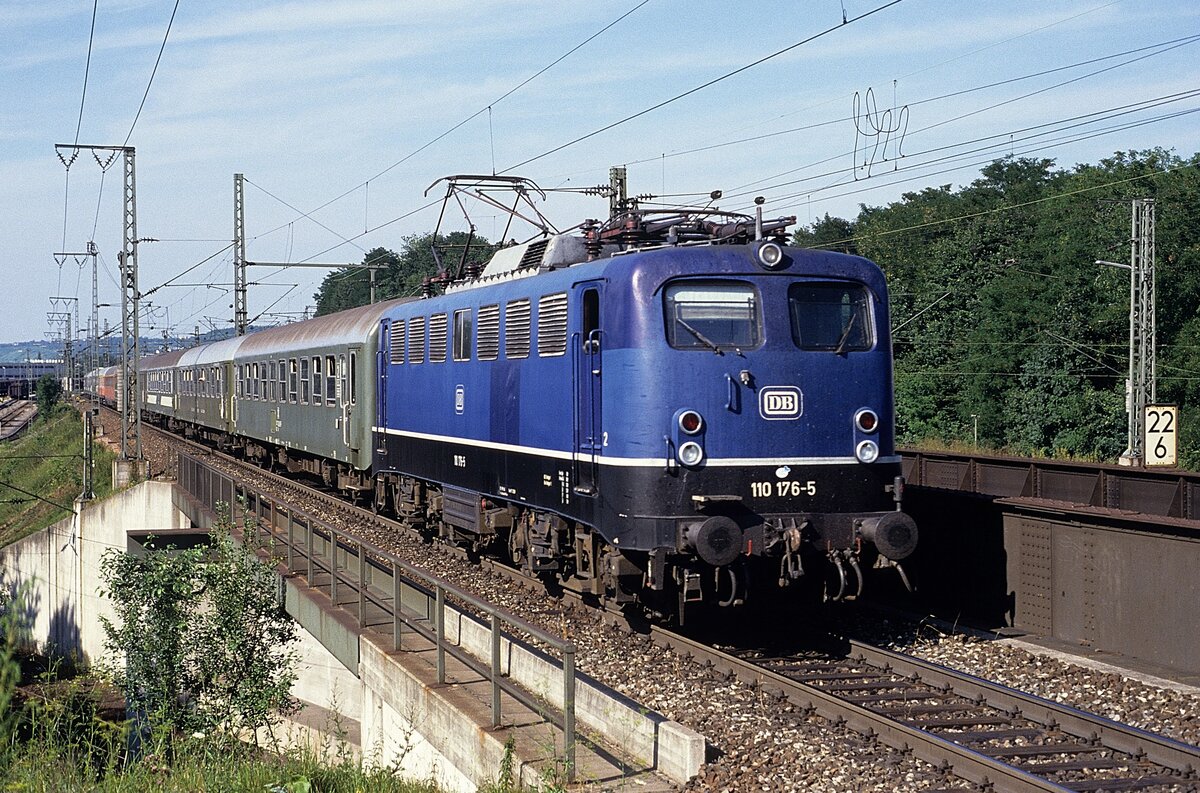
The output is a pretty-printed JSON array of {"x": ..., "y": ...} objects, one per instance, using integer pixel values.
[
  {"x": 1088, "y": 726},
  {"x": 973, "y": 765}
]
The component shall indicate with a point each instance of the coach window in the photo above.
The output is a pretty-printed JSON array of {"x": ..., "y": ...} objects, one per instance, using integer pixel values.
[
  {"x": 331, "y": 380},
  {"x": 462, "y": 335},
  {"x": 304, "y": 381},
  {"x": 317, "y": 381},
  {"x": 292, "y": 385},
  {"x": 830, "y": 316},
  {"x": 263, "y": 383},
  {"x": 241, "y": 381},
  {"x": 353, "y": 378},
  {"x": 516, "y": 329},
  {"x": 274, "y": 375},
  {"x": 712, "y": 315},
  {"x": 282, "y": 380}
]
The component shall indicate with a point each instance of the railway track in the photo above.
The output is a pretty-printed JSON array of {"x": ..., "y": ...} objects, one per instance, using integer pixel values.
[
  {"x": 989, "y": 735},
  {"x": 981, "y": 734},
  {"x": 15, "y": 416}
]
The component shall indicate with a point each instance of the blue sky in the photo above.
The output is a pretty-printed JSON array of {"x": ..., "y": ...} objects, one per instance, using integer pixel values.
[{"x": 310, "y": 99}]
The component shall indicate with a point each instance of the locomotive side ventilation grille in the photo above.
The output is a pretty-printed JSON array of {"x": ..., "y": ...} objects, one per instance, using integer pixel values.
[
  {"x": 488, "y": 341},
  {"x": 437, "y": 338},
  {"x": 516, "y": 329},
  {"x": 552, "y": 325},
  {"x": 416, "y": 340},
  {"x": 534, "y": 253},
  {"x": 396, "y": 340}
]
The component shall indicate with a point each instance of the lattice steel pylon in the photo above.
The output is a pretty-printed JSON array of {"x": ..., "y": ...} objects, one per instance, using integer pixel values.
[
  {"x": 131, "y": 393},
  {"x": 240, "y": 313},
  {"x": 1143, "y": 388}
]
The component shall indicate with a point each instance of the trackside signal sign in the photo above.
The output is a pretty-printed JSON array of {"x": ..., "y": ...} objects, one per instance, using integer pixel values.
[{"x": 1162, "y": 428}]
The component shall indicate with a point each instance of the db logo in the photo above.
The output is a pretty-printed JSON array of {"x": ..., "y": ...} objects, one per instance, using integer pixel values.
[{"x": 780, "y": 402}]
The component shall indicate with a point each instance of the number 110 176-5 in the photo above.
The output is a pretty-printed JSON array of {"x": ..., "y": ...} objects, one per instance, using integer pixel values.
[{"x": 784, "y": 487}]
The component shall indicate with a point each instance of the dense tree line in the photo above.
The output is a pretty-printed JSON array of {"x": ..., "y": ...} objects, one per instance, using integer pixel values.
[
  {"x": 404, "y": 272},
  {"x": 1000, "y": 311}
]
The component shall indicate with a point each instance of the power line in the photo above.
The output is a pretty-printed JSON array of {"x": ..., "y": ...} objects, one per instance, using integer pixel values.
[
  {"x": 950, "y": 95},
  {"x": 473, "y": 116},
  {"x": 1005, "y": 139},
  {"x": 86, "y": 69},
  {"x": 708, "y": 84},
  {"x": 976, "y": 163},
  {"x": 1008, "y": 208},
  {"x": 1160, "y": 49},
  {"x": 153, "y": 72}
]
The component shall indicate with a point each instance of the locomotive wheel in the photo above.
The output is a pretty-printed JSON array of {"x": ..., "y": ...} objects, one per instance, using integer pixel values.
[{"x": 518, "y": 542}]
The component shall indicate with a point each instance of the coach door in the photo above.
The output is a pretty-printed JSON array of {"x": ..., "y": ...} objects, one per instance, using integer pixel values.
[
  {"x": 587, "y": 351},
  {"x": 351, "y": 412}
]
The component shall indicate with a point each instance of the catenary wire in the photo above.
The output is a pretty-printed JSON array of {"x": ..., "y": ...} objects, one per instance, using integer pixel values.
[
  {"x": 701, "y": 87},
  {"x": 153, "y": 72},
  {"x": 473, "y": 116},
  {"x": 916, "y": 103}
]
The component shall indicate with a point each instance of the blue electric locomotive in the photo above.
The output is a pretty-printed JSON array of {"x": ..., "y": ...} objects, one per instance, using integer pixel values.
[{"x": 651, "y": 422}]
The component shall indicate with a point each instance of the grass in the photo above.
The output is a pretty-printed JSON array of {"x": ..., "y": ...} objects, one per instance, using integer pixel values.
[
  {"x": 67, "y": 732},
  {"x": 47, "y": 460}
]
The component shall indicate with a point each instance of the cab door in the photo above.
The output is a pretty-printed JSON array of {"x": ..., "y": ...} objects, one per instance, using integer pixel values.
[{"x": 587, "y": 351}]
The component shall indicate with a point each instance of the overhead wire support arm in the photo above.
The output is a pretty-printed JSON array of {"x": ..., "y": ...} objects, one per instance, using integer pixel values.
[{"x": 371, "y": 268}]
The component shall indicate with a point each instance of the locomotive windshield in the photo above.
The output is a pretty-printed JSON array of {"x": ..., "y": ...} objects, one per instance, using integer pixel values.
[
  {"x": 830, "y": 316},
  {"x": 712, "y": 315}
]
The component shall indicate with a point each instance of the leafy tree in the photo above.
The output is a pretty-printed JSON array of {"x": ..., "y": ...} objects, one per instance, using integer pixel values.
[
  {"x": 835, "y": 234},
  {"x": 205, "y": 642},
  {"x": 1001, "y": 312},
  {"x": 48, "y": 390},
  {"x": 404, "y": 273}
]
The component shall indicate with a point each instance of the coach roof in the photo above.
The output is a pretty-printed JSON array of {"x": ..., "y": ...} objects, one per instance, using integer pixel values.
[{"x": 352, "y": 326}]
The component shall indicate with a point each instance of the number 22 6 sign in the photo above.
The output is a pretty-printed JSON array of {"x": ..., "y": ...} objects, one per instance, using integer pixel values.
[{"x": 1162, "y": 428}]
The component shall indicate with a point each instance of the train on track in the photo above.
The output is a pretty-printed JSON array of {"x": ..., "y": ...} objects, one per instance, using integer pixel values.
[{"x": 667, "y": 408}]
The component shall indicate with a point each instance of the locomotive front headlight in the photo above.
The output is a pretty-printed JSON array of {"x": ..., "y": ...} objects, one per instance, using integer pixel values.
[
  {"x": 690, "y": 422},
  {"x": 866, "y": 420},
  {"x": 866, "y": 452},
  {"x": 690, "y": 453},
  {"x": 770, "y": 255}
]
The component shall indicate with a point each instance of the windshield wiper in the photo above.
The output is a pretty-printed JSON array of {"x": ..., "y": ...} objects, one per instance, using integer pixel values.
[
  {"x": 707, "y": 342},
  {"x": 845, "y": 335}
]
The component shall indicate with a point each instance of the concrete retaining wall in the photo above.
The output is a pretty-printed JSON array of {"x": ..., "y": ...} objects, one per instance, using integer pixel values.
[
  {"x": 59, "y": 568},
  {"x": 392, "y": 713}
]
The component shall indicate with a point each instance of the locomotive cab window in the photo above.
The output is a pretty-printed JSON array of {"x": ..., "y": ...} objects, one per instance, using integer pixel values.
[
  {"x": 712, "y": 315},
  {"x": 830, "y": 316}
]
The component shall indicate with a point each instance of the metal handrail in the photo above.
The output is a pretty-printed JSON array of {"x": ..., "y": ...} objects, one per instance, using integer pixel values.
[{"x": 370, "y": 557}]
